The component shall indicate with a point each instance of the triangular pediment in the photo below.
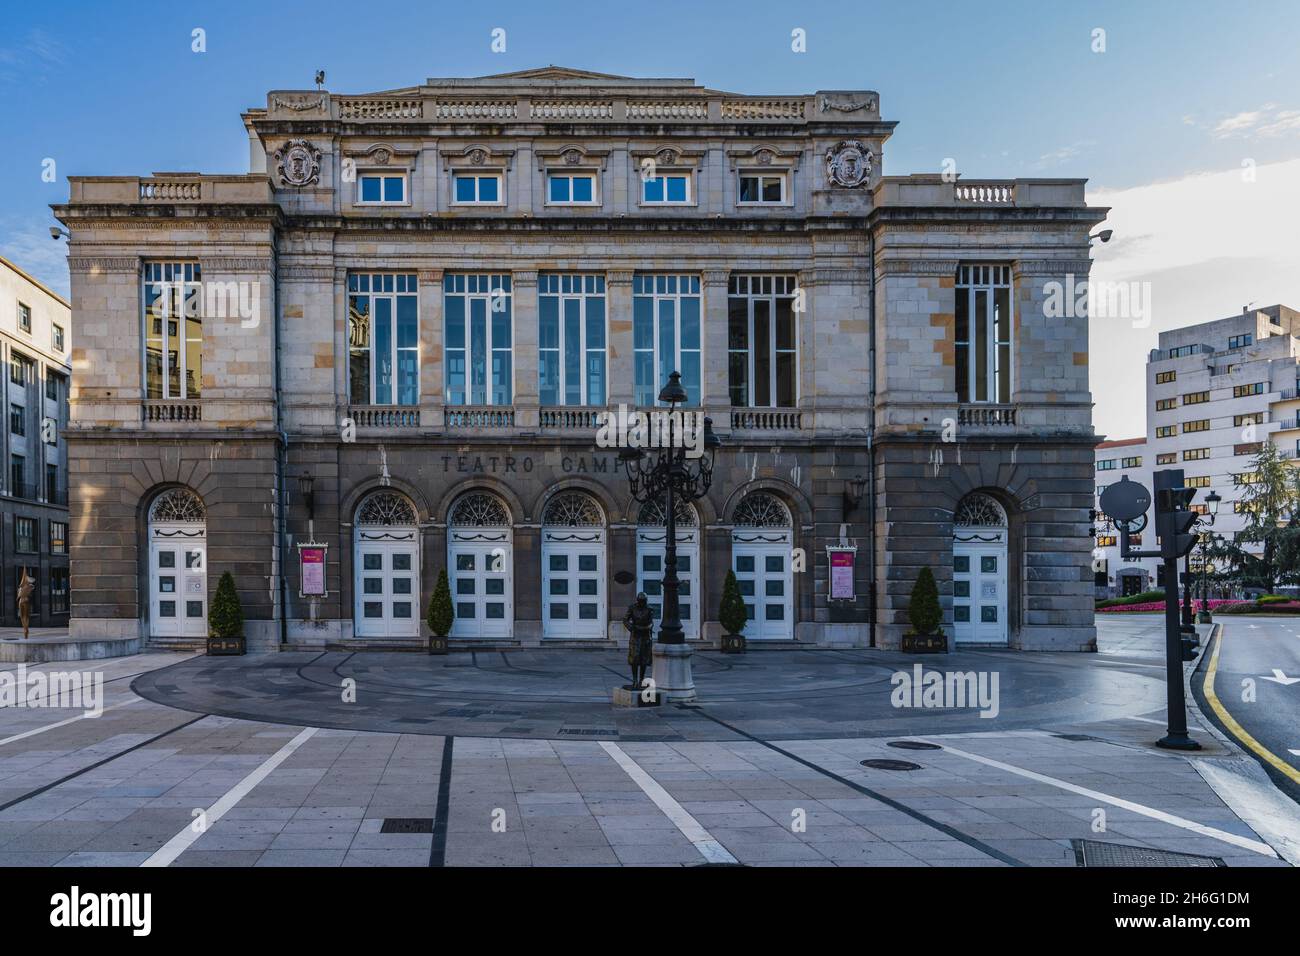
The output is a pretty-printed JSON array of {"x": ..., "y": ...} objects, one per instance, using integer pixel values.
[{"x": 553, "y": 72}]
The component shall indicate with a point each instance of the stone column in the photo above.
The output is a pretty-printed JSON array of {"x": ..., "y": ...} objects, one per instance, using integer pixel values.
[
  {"x": 713, "y": 319},
  {"x": 524, "y": 357},
  {"x": 431, "y": 364},
  {"x": 618, "y": 311}
]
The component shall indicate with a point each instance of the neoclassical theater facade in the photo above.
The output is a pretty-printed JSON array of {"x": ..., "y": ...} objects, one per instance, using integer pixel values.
[{"x": 383, "y": 351}]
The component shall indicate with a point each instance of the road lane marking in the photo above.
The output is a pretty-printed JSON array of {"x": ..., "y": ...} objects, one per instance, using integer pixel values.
[
  {"x": 71, "y": 720},
  {"x": 1279, "y": 677},
  {"x": 709, "y": 848},
  {"x": 182, "y": 841},
  {"x": 1235, "y": 728},
  {"x": 1246, "y": 843}
]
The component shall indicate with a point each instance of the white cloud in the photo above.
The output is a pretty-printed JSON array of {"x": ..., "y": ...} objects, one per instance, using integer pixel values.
[
  {"x": 1207, "y": 244},
  {"x": 1266, "y": 122},
  {"x": 28, "y": 246}
]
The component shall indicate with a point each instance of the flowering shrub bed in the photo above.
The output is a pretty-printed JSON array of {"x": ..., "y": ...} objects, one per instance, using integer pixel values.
[{"x": 1197, "y": 605}]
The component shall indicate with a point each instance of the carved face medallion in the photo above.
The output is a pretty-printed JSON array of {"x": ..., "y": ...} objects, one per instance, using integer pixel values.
[{"x": 298, "y": 163}]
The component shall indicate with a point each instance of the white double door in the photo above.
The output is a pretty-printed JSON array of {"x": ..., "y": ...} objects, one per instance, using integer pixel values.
[
  {"x": 764, "y": 573},
  {"x": 979, "y": 588},
  {"x": 573, "y": 584},
  {"x": 482, "y": 584},
  {"x": 178, "y": 582},
  {"x": 387, "y": 584},
  {"x": 650, "y": 551}
]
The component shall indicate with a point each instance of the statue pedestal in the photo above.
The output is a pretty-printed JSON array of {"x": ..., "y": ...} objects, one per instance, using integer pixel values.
[{"x": 672, "y": 672}]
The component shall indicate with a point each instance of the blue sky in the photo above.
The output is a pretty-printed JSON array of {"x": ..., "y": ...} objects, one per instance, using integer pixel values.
[{"x": 1183, "y": 90}]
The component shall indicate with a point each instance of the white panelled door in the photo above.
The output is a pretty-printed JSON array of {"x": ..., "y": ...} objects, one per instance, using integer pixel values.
[
  {"x": 573, "y": 568},
  {"x": 178, "y": 566},
  {"x": 480, "y": 557},
  {"x": 651, "y": 546},
  {"x": 761, "y": 555},
  {"x": 386, "y": 568},
  {"x": 979, "y": 572}
]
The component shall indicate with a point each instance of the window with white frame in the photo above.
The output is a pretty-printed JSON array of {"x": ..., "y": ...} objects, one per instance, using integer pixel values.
[
  {"x": 571, "y": 339},
  {"x": 381, "y": 189},
  {"x": 478, "y": 338},
  {"x": 983, "y": 333},
  {"x": 478, "y": 189},
  {"x": 666, "y": 334},
  {"x": 762, "y": 341},
  {"x": 24, "y": 317},
  {"x": 666, "y": 189},
  {"x": 571, "y": 189},
  {"x": 56, "y": 336},
  {"x": 383, "y": 338},
  {"x": 173, "y": 333},
  {"x": 762, "y": 189}
]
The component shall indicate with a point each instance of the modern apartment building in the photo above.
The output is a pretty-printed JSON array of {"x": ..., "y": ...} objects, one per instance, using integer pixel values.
[
  {"x": 391, "y": 340},
  {"x": 35, "y": 336},
  {"x": 1216, "y": 392}
]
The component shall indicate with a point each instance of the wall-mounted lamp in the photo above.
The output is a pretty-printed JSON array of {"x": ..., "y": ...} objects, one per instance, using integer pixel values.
[
  {"x": 305, "y": 485},
  {"x": 854, "y": 489},
  {"x": 1104, "y": 236}
]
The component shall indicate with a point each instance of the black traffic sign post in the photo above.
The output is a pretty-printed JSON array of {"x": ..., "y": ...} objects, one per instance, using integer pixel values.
[{"x": 1174, "y": 522}]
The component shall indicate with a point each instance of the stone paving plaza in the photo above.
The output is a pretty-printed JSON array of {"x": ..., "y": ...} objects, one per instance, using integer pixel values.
[{"x": 766, "y": 770}]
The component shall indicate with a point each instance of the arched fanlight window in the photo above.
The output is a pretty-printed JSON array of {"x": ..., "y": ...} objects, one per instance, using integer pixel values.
[
  {"x": 179, "y": 504},
  {"x": 572, "y": 509},
  {"x": 386, "y": 508},
  {"x": 479, "y": 510},
  {"x": 979, "y": 510},
  {"x": 653, "y": 515},
  {"x": 762, "y": 510}
]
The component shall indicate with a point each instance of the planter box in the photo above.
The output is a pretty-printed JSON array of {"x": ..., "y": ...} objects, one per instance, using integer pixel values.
[
  {"x": 733, "y": 643},
  {"x": 225, "y": 646},
  {"x": 437, "y": 645},
  {"x": 924, "y": 644}
]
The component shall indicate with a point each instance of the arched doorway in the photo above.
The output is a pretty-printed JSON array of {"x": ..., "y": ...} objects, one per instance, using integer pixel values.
[
  {"x": 386, "y": 563},
  {"x": 651, "y": 540},
  {"x": 481, "y": 566},
  {"x": 178, "y": 565},
  {"x": 762, "y": 539},
  {"x": 573, "y": 567},
  {"x": 979, "y": 571}
]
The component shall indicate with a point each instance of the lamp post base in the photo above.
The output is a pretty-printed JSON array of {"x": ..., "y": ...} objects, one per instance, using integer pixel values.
[
  {"x": 672, "y": 672},
  {"x": 1178, "y": 742}
]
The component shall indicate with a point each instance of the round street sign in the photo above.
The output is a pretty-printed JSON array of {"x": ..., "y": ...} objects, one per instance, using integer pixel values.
[{"x": 1125, "y": 500}]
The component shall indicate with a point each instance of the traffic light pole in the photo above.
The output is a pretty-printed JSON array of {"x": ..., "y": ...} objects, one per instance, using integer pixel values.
[{"x": 1173, "y": 519}]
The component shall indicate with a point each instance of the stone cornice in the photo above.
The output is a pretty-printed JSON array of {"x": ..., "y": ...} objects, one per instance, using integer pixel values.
[
  {"x": 834, "y": 275},
  {"x": 1050, "y": 267},
  {"x": 95, "y": 265},
  {"x": 917, "y": 267},
  {"x": 573, "y": 156},
  {"x": 619, "y": 276},
  {"x": 220, "y": 264},
  {"x": 301, "y": 273}
]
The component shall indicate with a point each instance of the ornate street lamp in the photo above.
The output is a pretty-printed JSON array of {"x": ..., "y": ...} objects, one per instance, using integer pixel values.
[
  {"x": 669, "y": 475},
  {"x": 305, "y": 485},
  {"x": 1204, "y": 521}
]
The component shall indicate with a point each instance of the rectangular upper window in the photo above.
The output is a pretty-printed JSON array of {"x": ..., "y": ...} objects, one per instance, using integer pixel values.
[
  {"x": 56, "y": 336},
  {"x": 1241, "y": 391},
  {"x": 17, "y": 420},
  {"x": 1131, "y": 462},
  {"x": 1163, "y": 377},
  {"x": 1254, "y": 418},
  {"x": 1196, "y": 398},
  {"x": 58, "y": 537},
  {"x": 666, "y": 190},
  {"x": 1240, "y": 341},
  {"x": 762, "y": 341},
  {"x": 381, "y": 189},
  {"x": 983, "y": 333},
  {"x": 53, "y": 386},
  {"x": 25, "y": 534},
  {"x": 1164, "y": 404},
  {"x": 762, "y": 189},
  {"x": 571, "y": 339},
  {"x": 20, "y": 369},
  {"x": 478, "y": 339},
  {"x": 24, "y": 317},
  {"x": 18, "y": 477},
  {"x": 665, "y": 334},
  {"x": 383, "y": 338},
  {"x": 1184, "y": 350},
  {"x": 1166, "y": 458},
  {"x": 478, "y": 189},
  {"x": 1196, "y": 454},
  {"x": 571, "y": 189},
  {"x": 1200, "y": 481},
  {"x": 1106, "y": 464},
  {"x": 1200, "y": 425},
  {"x": 173, "y": 330},
  {"x": 1166, "y": 431}
]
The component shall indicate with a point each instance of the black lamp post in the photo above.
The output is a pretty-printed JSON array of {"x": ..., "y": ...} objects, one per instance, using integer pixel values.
[
  {"x": 670, "y": 475},
  {"x": 1206, "y": 520},
  {"x": 305, "y": 485}
]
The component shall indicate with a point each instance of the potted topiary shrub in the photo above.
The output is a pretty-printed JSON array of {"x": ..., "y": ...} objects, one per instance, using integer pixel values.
[
  {"x": 731, "y": 615},
  {"x": 225, "y": 620},
  {"x": 441, "y": 615},
  {"x": 927, "y": 635}
]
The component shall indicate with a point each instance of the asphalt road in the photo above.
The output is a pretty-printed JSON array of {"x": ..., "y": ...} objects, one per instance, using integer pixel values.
[{"x": 1259, "y": 654}]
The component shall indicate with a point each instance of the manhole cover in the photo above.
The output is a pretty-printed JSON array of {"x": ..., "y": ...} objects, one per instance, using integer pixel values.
[
  {"x": 407, "y": 825},
  {"x": 913, "y": 745},
  {"x": 890, "y": 765},
  {"x": 1075, "y": 737},
  {"x": 1095, "y": 853}
]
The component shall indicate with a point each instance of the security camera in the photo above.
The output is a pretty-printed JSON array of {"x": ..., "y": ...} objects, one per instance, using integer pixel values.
[
  {"x": 55, "y": 232},
  {"x": 1105, "y": 235}
]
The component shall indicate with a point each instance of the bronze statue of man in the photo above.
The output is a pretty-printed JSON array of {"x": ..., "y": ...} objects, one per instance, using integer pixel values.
[
  {"x": 25, "y": 588},
  {"x": 639, "y": 620}
]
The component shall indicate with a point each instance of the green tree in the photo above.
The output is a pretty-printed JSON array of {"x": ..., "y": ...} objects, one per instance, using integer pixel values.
[
  {"x": 1270, "y": 496},
  {"x": 923, "y": 609},
  {"x": 225, "y": 616},
  {"x": 731, "y": 611},
  {"x": 441, "y": 615}
]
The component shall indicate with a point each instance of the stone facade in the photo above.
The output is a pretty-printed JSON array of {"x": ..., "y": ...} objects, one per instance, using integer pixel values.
[{"x": 873, "y": 263}]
